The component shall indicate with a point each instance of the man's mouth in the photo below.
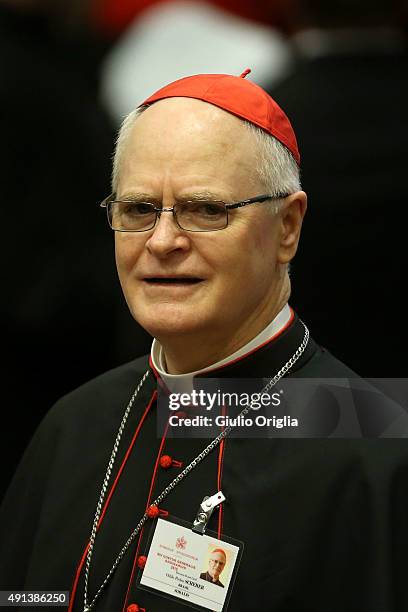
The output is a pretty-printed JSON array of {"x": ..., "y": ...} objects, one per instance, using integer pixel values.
[{"x": 172, "y": 280}]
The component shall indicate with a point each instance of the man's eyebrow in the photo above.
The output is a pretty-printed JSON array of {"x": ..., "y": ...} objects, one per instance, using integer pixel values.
[
  {"x": 137, "y": 196},
  {"x": 140, "y": 196},
  {"x": 201, "y": 195}
]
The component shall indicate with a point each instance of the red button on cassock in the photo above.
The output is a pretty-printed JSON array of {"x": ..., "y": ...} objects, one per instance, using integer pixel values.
[
  {"x": 133, "y": 608},
  {"x": 141, "y": 561},
  {"x": 152, "y": 512},
  {"x": 166, "y": 462}
]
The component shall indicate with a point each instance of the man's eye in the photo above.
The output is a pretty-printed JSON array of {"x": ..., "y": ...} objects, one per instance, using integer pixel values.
[
  {"x": 207, "y": 209},
  {"x": 137, "y": 209}
]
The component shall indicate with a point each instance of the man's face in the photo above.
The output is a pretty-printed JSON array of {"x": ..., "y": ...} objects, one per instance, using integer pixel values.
[
  {"x": 181, "y": 284},
  {"x": 216, "y": 564}
]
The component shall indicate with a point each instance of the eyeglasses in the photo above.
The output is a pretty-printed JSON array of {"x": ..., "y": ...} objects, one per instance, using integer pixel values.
[{"x": 191, "y": 216}]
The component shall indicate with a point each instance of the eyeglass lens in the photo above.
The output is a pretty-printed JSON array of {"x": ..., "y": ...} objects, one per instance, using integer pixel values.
[{"x": 200, "y": 216}]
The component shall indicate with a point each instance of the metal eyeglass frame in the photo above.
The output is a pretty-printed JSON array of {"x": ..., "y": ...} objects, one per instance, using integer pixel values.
[{"x": 257, "y": 199}]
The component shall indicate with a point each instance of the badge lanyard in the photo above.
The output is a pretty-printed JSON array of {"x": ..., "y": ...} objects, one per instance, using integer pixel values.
[{"x": 89, "y": 606}]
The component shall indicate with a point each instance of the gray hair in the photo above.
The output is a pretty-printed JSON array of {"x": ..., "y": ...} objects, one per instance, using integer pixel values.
[
  {"x": 277, "y": 169},
  {"x": 121, "y": 142}
]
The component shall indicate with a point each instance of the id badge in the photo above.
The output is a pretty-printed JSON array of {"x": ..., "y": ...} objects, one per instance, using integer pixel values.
[{"x": 196, "y": 569}]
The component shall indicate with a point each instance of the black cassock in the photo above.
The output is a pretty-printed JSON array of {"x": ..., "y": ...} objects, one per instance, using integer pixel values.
[{"x": 324, "y": 521}]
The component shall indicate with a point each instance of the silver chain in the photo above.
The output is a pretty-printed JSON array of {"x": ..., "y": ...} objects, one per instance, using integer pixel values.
[{"x": 87, "y": 607}]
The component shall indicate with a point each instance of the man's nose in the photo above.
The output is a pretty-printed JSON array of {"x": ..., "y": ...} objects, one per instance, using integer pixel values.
[{"x": 167, "y": 236}]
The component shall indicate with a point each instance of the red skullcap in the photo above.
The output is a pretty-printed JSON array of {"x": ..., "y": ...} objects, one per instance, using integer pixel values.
[{"x": 238, "y": 96}]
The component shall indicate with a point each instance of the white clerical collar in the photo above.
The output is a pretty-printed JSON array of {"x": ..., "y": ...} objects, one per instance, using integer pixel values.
[{"x": 266, "y": 335}]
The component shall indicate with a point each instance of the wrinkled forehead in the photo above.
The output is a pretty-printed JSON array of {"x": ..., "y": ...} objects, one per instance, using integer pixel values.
[
  {"x": 188, "y": 117},
  {"x": 178, "y": 136}
]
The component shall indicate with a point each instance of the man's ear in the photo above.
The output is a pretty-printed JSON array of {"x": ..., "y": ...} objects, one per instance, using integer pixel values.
[{"x": 291, "y": 215}]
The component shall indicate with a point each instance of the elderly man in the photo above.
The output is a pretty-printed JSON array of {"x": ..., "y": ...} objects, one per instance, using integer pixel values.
[
  {"x": 216, "y": 564},
  {"x": 207, "y": 212}
]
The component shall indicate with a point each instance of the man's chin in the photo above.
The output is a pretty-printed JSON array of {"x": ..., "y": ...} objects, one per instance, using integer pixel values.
[{"x": 171, "y": 323}]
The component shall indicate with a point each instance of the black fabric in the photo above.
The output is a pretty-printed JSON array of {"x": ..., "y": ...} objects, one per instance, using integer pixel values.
[
  {"x": 349, "y": 115},
  {"x": 206, "y": 576},
  {"x": 323, "y": 521}
]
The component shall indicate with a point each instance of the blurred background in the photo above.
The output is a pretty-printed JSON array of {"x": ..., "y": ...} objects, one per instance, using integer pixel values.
[{"x": 71, "y": 71}]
